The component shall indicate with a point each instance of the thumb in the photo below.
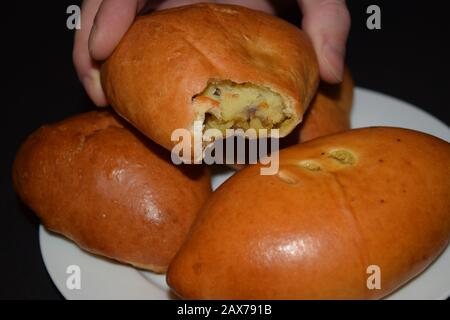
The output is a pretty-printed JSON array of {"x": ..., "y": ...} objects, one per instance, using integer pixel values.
[
  {"x": 113, "y": 19},
  {"x": 327, "y": 22}
]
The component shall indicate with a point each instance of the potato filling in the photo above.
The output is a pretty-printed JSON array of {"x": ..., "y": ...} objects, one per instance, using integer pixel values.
[{"x": 231, "y": 105}]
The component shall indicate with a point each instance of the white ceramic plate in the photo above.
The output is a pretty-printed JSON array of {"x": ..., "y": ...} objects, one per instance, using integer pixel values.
[{"x": 104, "y": 279}]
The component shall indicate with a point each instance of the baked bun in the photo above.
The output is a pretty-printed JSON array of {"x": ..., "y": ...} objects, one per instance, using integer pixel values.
[
  {"x": 329, "y": 111},
  {"x": 224, "y": 65},
  {"x": 100, "y": 183},
  {"x": 342, "y": 93},
  {"x": 338, "y": 206}
]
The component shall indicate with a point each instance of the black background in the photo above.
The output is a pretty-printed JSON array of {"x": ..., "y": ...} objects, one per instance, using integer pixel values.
[{"x": 408, "y": 58}]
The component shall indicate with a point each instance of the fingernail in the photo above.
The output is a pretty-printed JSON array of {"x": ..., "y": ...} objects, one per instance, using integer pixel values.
[
  {"x": 93, "y": 86},
  {"x": 334, "y": 59},
  {"x": 92, "y": 37}
]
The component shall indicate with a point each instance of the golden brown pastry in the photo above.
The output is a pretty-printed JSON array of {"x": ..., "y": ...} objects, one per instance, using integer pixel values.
[
  {"x": 329, "y": 111},
  {"x": 342, "y": 93},
  {"x": 339, "y": 205},
  {"x": 226, "y": 66},
  {"x": 100, "y": 183}
]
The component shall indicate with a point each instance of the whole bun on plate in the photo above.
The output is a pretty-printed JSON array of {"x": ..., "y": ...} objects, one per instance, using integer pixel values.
[
  {"x": 223, "y": 65},
  {"x": 103, "y": 185},
  {"x": 342, "y": 208}
]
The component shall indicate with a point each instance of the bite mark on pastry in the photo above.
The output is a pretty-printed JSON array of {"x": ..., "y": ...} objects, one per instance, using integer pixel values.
[{"x": 225, "y": 104}]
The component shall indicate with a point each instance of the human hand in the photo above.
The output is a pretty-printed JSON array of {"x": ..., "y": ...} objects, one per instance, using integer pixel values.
[{"x": 104, "y": 22}]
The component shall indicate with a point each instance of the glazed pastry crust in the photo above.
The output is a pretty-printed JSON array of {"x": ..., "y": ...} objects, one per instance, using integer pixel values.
[
  {"x": 339, "y": 204},
  {"x": 168, "y": 57},
  {"x": 97, "y": 181}
]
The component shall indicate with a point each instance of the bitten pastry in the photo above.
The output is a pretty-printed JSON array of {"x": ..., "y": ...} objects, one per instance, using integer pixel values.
[
  {"x": 340, "y": 207},
  {"x": 328, "y": 113},
  {"x": 223, "y": 65},
  {"x": 100, "y": 183}
]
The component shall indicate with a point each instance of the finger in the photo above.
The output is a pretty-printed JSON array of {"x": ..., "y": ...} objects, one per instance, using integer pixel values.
[
  {"x": 166, "y": 4},
  {"x": 262, "y": 5},
  {"x": 85, "y": 66},
  {"x": 113, "y": 19},
  {"x": 327, "y": 22}
]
